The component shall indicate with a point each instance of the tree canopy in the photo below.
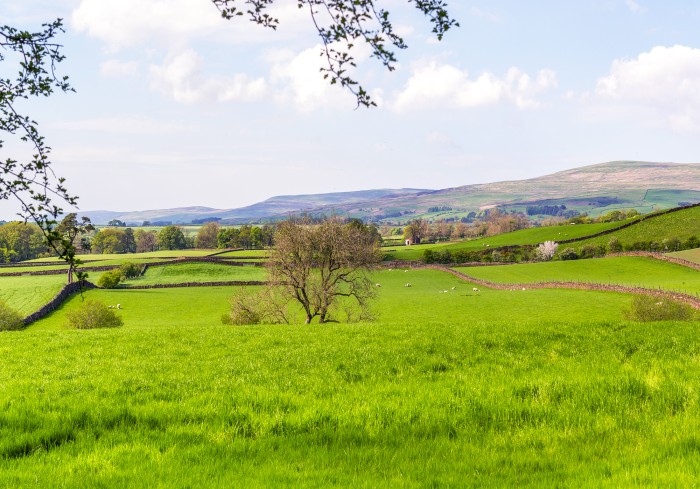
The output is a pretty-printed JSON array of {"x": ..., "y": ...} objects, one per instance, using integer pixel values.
[{"x": 342, "y": 25}]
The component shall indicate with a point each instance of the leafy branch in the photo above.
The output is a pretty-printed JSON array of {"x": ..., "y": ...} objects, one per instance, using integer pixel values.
[
  {"x": 33, "y": 182},
  {"x": 341, "y": 24}
]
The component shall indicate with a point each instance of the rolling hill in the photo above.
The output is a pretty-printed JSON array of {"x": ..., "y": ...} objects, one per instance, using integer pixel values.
[{"x": 593, "y": 189}]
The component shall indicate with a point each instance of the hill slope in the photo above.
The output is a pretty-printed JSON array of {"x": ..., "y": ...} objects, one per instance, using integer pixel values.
[{"x": 593, "y": 189}]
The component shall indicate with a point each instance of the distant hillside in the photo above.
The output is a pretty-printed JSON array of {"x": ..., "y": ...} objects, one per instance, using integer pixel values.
[
  {"x": 594, "y": 189},
  {"x": 273, "y": 207}
]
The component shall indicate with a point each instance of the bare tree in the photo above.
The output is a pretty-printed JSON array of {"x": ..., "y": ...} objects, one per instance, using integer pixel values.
[{"x": 316, "y": 265}]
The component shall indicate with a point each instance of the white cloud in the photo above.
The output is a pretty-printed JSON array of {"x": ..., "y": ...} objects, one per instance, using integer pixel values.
[
  {"x": 174, "y": 23},
  {"x": 116, "y": 68},
  {"x": 123, "y": 125},
  {"x": 436, "y": 85},
  {"x": 483, "y": 14},
  {"x": 301, "y": 83},
  {"x": 665, "y": 80},
  {"x": 181, "y": 78},
  {"x": 634, "y": 7}
]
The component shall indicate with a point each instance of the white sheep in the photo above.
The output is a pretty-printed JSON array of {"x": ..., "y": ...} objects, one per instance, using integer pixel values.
[
  {"x": 110, "y": 307},
  {"x": 475, "y": 289},
  {"x": 453, "y": 288},
  {"x": 408, "y": 285},
  {"x": 377, "y": 285},
  {"x": 119, "y": 306}
]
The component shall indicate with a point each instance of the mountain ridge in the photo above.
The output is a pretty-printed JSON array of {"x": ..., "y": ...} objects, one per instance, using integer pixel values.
[{"x": 591, "y": 188}]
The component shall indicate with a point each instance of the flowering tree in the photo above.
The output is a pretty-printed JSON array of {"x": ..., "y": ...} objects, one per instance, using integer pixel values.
[{"x": 547, "y": 250}]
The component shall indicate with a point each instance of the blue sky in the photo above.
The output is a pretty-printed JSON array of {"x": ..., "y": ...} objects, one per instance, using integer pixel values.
[{"x": 177, "y": 107}]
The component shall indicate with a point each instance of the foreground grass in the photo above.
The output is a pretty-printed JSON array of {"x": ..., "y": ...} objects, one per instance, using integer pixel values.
[
  {"x": 622, "y": 270},
  {"x": 459, "y": 388},
  {"x": 381, "y": 405}
]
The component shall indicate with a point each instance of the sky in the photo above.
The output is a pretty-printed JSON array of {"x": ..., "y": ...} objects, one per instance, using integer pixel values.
[{"x": 175, "y": 106}]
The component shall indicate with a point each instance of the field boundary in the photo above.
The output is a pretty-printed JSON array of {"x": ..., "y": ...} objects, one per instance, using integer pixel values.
[
  {"x": 60, "y": 298},
  {"x": 691, "y": 300},
  {"x": 192, "y": 284}
]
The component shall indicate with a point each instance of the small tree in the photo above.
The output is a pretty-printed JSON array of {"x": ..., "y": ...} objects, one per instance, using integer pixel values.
[
  {"x": 316, "y": 265},
  {"x": 10, "y": 320},
  {"x": 93, "y": 314},
  {"x": 171, "y": 238},
  {"x": 614, "y": 245},
  {"x": 546, "y": 250},
  {"x": 207, "y": 236},
  {"x": 568, "y": 254},
  {"x": 110, "y": 279}
]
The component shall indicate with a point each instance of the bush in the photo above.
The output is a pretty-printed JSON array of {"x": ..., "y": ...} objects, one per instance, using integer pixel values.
[
  {"x": 568, "y": 254},
  {"x": 614, "y": 245},
  {"x": 650, "y": 308},
  {"x": 245, "y": 310},
  {"x": 110, "y": 279},
  {"x": 10, "y": 320},
  {"x": 93, "y": 314},
  {"x": 129, "y": 270}
]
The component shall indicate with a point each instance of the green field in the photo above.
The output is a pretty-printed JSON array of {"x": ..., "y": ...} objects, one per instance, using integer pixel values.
[
  {"x": 456, "y": 388},
  {"x": 198, "y": 272},
  {"x": 681, "y": 224},
  {"x": 690, "y": 255},
  {"x": 244, "y": 253},
  {"x": 133, "y": 256},
  {"x": 448, "y": 387},
  {"x": 621, "y": 270},
  {"x": 27, "y": 294},
  {"x": 531, "y": 236}
]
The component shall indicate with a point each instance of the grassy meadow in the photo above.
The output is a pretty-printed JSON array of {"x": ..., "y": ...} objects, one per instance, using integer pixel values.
[
  {"x": 198, "y": 272},
  {"x": 620, "y": 270},
  {"x": 531, "y": 236},
  {"x": 681, "y": 224},
  {"x": 26, "y": 294},
  {"x": 447, "y": 387}
]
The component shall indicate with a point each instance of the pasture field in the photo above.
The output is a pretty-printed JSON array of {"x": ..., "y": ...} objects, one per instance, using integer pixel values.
[
  {"x": 690, "y": 255},
  {"x": 530, "y": 236},
  {"x": 438, "y": 392},
  {"x": 133, "y": 256},
  {"x": 27, "y": 294},
  {"x": 681, "y": 224},
  {"x": 35, "y": 268},
  {"x": 448, "y": 387},
  {"x": 619, "y": 270},
  {"x": 198, "y": 272},
  {"x": 243, "y": 253}
]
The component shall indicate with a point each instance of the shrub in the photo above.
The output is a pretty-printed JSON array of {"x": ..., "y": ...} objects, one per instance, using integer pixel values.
[
  {"x": 93, "y": 314},
  {"x": 650, "y": 308},
  {"x": 692, "y": 242},
  {"x": 10, "y": 320},
  {"x": 245, "y": 309},
  {"x": 110, "y": 279},
  {"x": 129, "y": 270},
  {"x": 429, "y": 256},
  {"x": 568, "y": 254},
  {"x": 614, "y": 245},
  {"x": 671, "y": 244},
  {"x": 591, "y": 251}
]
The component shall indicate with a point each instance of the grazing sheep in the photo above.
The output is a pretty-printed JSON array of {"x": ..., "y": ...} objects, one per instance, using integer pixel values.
[
  {"x": 119, "y": 306},
  {"x": 475, "y": 289},
  {"x": 377, "y": 285},
  {"x": 408, "y": 285},
  {"x": 523, "y": 288},
  {"x": 453, "y": 288},
  {"x": 110, "y": 307}
]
